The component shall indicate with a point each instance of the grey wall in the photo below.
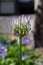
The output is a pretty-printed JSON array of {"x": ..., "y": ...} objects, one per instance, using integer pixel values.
[{"x": 5, "y": 24}]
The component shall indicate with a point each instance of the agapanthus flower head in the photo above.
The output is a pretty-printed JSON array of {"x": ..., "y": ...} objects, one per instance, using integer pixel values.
[
  {"x": 20, "y": 26},
  {"x": 3, "y": 51}
]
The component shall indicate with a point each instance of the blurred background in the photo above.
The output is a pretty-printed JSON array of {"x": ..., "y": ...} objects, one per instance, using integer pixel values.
[{"x": 12, "y": 7}]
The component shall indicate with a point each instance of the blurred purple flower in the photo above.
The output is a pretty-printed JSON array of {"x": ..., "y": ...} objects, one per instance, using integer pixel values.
[
  {"x": 26, "y": 41},
  {"x": 25, "y": 57},
  {"x": 3, "y": 51}
]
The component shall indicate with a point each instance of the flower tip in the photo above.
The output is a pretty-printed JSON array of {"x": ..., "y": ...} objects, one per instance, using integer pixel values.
[{"x": 30, "y": 28}]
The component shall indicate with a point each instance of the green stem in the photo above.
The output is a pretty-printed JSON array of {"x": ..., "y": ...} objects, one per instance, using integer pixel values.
[
  {"x": 20, "y": 50},
  {"x": 0, "y": 61}
]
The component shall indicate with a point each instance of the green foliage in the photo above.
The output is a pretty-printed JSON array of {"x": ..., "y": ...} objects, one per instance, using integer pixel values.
[
  {"x": 3, "y": 37},
  {"x": 13, "y": 59},
  {"x": 13, "y": 53}
]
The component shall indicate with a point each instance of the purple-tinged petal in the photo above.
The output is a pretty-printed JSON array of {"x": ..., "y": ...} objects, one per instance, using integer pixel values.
[
  {"x": 3, "y": 51},
  {"x": 26, "y": 40},
  {"x": 25, "y": 57}
]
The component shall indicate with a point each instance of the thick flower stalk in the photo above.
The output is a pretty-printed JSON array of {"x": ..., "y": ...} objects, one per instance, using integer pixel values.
[{"x": 20, "y": 27}]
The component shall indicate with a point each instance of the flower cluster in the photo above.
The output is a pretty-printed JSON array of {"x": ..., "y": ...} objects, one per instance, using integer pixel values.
[
  {"x": 25, "y": 57},
  {"x": 3, "y": 51},
  {"x": 20, "y": 26},
  {"x": 26, "y": 40}
]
